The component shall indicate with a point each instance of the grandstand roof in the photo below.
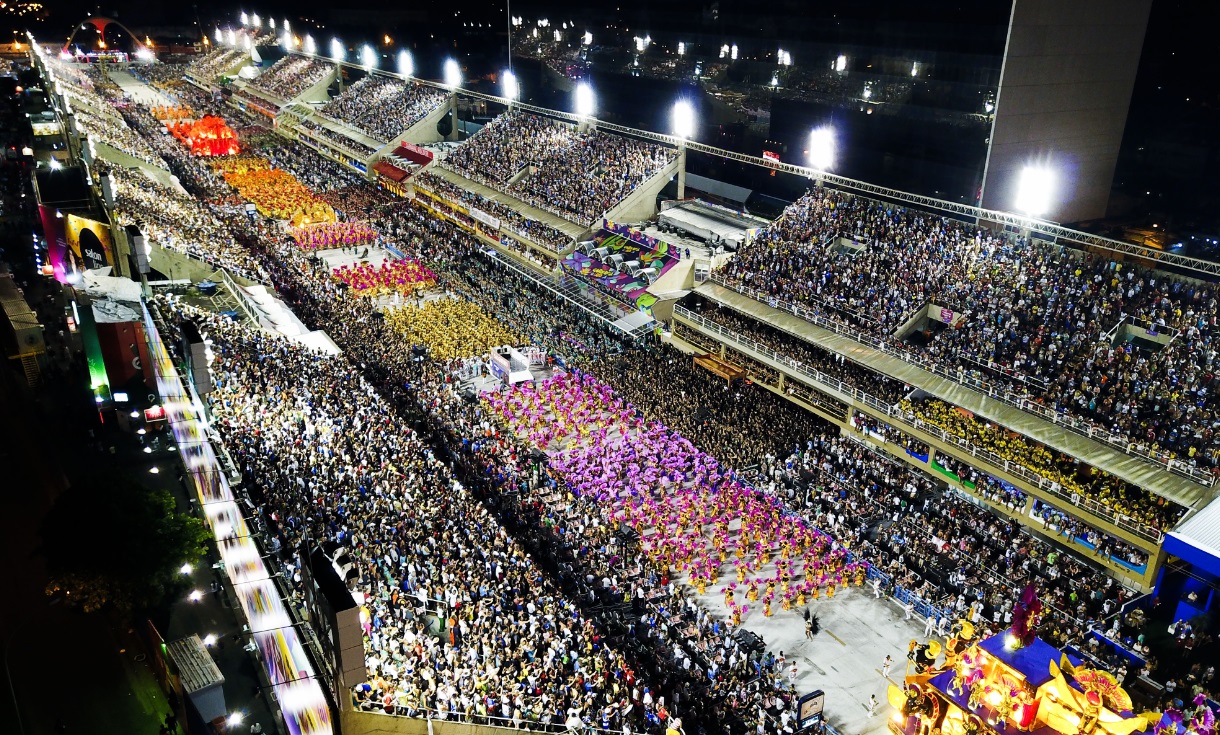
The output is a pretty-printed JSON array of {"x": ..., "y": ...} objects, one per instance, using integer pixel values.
[
  {"x": 718, "y": 188},
  {"x": 1197, "y": 540},
  {"x": 1180, "y": 490}
]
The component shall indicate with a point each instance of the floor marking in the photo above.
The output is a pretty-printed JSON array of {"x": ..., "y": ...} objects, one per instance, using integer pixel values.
[{"x": 837, "y": 638}]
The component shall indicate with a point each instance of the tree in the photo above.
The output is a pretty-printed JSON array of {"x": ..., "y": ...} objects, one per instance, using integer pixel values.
[{"x": 112, "y": 541}]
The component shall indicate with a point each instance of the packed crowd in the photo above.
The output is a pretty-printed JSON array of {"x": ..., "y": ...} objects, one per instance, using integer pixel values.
[
  {"x": 548, "y": 617},
  {"x": 507, "y": 144},
  {"x": 291, "y": 75},
  {"x": 318, "y": 130},
  {"x": 450, "y": 328},
  {"x": 171, "y": 218},
  {"x": 513, "y": 645},
  {"x": 327, "y": 235},
  {"x": 938, "y": 545},
  {"x": 402, "y": 276},
  {"x": 115, "y": 133},
  {"x": 533, "y": 230},
  {"x": 584, "y": 180},
  {"x": 804, "y": 354},
  {"x": 384, "y": 107},
  {"x": 1121, "y": 497},
  {"x": 1037, "y": 317},
  {"x": 214, "y": 63},
  {"x": 275, "y": 192},
  {"x": 579, "y": 176}
]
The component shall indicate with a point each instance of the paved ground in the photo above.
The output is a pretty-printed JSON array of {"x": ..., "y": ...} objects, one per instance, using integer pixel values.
[{"x": 139, "y": 91}]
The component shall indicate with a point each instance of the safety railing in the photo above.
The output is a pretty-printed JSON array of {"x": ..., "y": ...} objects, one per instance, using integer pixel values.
[
  {"x": 1131, "y": 525},
  {"x": 996, "y": 392}
]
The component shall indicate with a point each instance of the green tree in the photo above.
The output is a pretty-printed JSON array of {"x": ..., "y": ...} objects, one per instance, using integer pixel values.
[{"x": 111, "y": 541}]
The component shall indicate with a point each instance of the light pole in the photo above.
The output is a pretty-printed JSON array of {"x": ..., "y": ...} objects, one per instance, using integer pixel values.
[{"x": 683, "y": 128}]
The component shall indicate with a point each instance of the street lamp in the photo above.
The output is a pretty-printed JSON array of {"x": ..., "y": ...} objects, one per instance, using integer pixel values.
[
  {"x": 585, "y": 104},
  {"x": 822, "y": 148},
  {"x": 512, "y": 89},
  {"x": 1034, "y": 190},
  {"x": 684, "y": 119},
  {"x": 453, "y": 74}
]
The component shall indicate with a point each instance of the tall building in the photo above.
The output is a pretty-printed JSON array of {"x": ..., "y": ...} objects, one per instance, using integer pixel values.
[{"x": 1065, "y": 87}]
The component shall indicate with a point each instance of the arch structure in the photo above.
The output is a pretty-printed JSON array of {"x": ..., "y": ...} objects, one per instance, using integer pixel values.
[{"x": 100, "y": 25}]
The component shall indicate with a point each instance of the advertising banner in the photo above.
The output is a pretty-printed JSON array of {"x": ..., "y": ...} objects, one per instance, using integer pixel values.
[
  {"x": 57, "y": 242},
  {"x": 89, "y": 242}
]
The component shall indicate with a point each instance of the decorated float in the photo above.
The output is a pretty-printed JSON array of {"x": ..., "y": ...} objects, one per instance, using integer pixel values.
[{"x": 1014, "y": 681}]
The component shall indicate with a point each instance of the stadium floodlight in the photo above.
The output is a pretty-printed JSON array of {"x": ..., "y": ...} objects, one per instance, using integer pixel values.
[
  {"x": 245, "y": 19},
  {"x": 271, "y": 22},
  {"x": 639, "y": 45},
  {"x": 841, "y": 63},
  {"x": 145, "y": 54},
  {"x": 219, "y": 36},
  {"x": 724, "y": 50},
  {"x": 558, "y": 36},
  {"x": 511, "y": 87},
  {"x": 1034, "y": 190},
  {"x": 681, "y": 48},
  {"x": 336, "y": 49},
  {"x": 588, "y": 38},
  {"x": 585, "y": 105},
  {"x": 914, "y": 68},
  {"x": 232, "y": 37},
  {"x": 287, "y": 28},
  {"x": 684, "y": 119},
  {"x": 311, "y": 48},
  {"x": 368, "y": 57},
  {"x": 256, "y": 21},
  {"x": 453, "y": 74},
  {"x": 822, "y": 148},
  {"x": 868, "y": 92},
  {"x": 406, "y": 66},
  {"x": 733, "y": 52}
]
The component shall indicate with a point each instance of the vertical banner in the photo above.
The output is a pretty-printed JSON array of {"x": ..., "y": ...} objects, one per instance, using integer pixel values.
[
  {"x": 90, "y": 242},
  {"x": 57, "y": 241}
]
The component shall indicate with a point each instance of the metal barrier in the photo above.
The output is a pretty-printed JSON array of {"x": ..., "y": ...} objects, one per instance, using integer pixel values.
[
  {"x": 1142, "y": 530},
  {"x": 1000, "y": 393}
]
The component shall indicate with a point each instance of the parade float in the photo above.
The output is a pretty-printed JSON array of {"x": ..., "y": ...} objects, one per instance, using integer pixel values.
[{"x": 1014, "y": 681}]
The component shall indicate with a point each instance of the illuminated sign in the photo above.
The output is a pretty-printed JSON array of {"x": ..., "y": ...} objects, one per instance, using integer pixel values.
[
  {"x": 156, "y": 413},
  {"x": 809, "y": 709}
]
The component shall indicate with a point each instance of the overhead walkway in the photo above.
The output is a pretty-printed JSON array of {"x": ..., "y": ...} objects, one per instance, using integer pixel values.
[{"x": 1134, "y": 470}]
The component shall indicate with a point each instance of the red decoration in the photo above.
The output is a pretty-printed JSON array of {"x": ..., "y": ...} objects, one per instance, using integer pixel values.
[{"x": 209, "y": 136}]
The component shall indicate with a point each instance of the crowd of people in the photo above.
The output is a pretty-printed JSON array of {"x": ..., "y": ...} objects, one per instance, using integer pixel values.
[
  {"x": 170, "y": 218},
  {"x": 550, "y": 616},
  {"x": 318, "y": 130},
  {"x": 214, "y": 63},
  {"x": 292, "y": 75},
  {"x": 1041, "y": 320},
  {"x": 1123, "y": 498},
  {"x": 383, "y": 107},
  {"x": 585, "y": 179},
  {"x": 328, "y": 235},
  {"x": 579, "y": 176},
  {"x": 401, "y": 276},
  {"x": 275, "y": 192},
  {"x": 507, "y": 144},
  {"x": 450, "y": 328},
  {"x": 510, "y": 219}
]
